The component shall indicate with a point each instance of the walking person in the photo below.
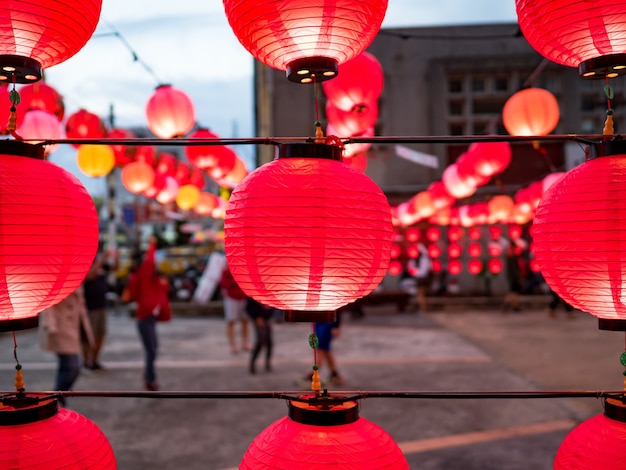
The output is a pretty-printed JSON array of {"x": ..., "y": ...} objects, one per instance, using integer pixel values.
[
  {"x": 60, "y": 333},
  {"x": 234, "y": 310},
  {"x": 150, "y": 291},
  {"x": 96, "y": 287},
  {"x": 554, "y": 304},
  {"x": 516, "y": 272},
  {"x": 326, "y": 332},
  {"x": 261, "y": 316},
  {"x": 422, "y": 270}
]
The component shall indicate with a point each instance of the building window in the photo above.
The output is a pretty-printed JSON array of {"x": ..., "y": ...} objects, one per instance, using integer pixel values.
[
  {"x": 455, "y": 85},
  {"x": 487, "y": 106},
  {"x": 501, "y": 84},
  {"x": 478, "y": 84},
  {"x": 479, "y": 128},
  {"x": 456, "y": 129},
  {"x": 455, "y": 108},
  {"x": 587, "y": 103}
]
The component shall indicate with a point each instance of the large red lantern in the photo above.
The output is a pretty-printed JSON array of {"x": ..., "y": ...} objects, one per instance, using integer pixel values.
[
  {"x": 83, "y": 124},
  {"x": 579, "y": 235},
  {"x": 170, "y": 112},
  {"x": 353, "y": 122},
  {"x": 38, "y": 35},
  {"x": 306, "y": 39},
  {"x": 596, "y": 444},
  {"x": 587, "y": 34},
  {"x": 357, "y": 87},
  {"x": 532, "y": 111},
  {"x": 307, "y": 233},
  {"x": 48, "y": 234},
  {"x": 315, "y": 437},
  {"x": 39, "y": 435}
]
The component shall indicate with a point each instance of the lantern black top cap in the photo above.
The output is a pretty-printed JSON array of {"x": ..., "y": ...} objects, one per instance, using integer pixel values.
[
  {"x": 312, "y": 69},
  {"x": 310, "y": 150},
  {"x": 321, "y": 414},
  {"x": 19, "y": 69},
  {"x": 21, "y": 149},
  {"x": 600, "y": 68}
]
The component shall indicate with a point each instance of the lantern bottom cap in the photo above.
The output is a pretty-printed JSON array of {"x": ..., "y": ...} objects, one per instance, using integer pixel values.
[
  {"x": 606, "y": 66},
  {"x": 19, "y": 324},
  {"x": 312, "y": 69},
  {"x": 611, "y": 324},
  {"x": 19, "y": 69},
  {"x": 615, "y": 409},
  {"x": 309, "y": 316}
]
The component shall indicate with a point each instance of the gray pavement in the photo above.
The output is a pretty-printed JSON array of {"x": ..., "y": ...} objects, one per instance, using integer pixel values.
[{"x": 464, "y": 350}]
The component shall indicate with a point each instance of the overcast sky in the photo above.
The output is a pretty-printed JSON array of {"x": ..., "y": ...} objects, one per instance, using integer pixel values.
[{"x": 189, "y": 44}]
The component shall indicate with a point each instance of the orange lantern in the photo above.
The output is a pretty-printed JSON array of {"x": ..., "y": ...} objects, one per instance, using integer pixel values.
[
  {"x": 307, "y": 40},
  {"x": 206, "y": 203},
  {"x": 137, "y": 177},
  {"x": 423, "y": 204},
  {"x": 170, "y": 112},
  {"x": 500, "y": 207},
  {"x": 532, "y": 111},
  {"x": 95, "y": 160},
  {"x": 187, "y": 197}
]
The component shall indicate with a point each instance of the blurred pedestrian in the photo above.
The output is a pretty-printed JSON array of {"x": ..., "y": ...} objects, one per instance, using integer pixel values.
[
  {"x": 516, "y": 272},
  {"x": 261, "y": 316},
  {"x": 422, "y": 270},
  {"x": 326, "y": 332},
  {"x": 150, "y": 290},
  {"x": 60, "y": 332},
  {"x": 554, "y": 304},
  {"x": 234, "y": 299},
  {"x": 96, "y": 286}
]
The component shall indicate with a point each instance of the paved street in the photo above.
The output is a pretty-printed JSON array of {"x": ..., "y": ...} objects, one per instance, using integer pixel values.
[{"x": 464, "y": 350}]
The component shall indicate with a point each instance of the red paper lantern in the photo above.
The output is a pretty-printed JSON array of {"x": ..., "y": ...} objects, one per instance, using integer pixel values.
[
  {"x": 166, "y": 164},
  {"x": 352, "y": 122},
  {"x": 82, "y": 125},
  {"x": 170, "y": 112},
  {"x": 474, "y": 249},
  {"x": 423, "y": 204},
  {"x": 454, "y": 250},
  {"x": 357, "y": 87},
  {"x": 494, "y": 249},
  {"x": 495, "y": 231},
  {"x": 436, "y": 265},
  {"x": 48, "y": 231},
  {"x": 532, "y": 111},
  {"x": 169, "y": 191},
  {"x": 312, "y": 437},
  {"x": 455, "y": 267},
  {"x": 358, "y": 161},
  {"x": 495, "y": 265},
  {"x": 412, "y": 251},
  {"x": 587, "y": 35},
  {"x": 433, "y": 234},
  {"x": 412, "y": 234},
  {"x": 474, "y": 233},
  {"x": 41, "y": 96},
  {"x": 455, "y": 185},
  {"x": 490, "y": 158},
  {"x": 434, "y": 251},
  {"x": 305, "y": 232},
  {"x": 474, "y": 266},
  {"x": 157, "y": 186},
  {"x": 579, "y": 236},
  {"x": 307, "y": 40},
  {"x": 455, "y": 233},
  {"x": 236, "y": 175},
  {"x": 38, "y": 35},
  {"x": 196, "y": 178},
  {"x": 137, "y": 177},
  {"x": 515, "y": 231},
  {"x": 123, "y": 153},
  {"x": 146, "y": 154},
  {"x": 396, "y": 251},
  {"x": 395, "y": 267},
  {"x": 225, "y": 164},
  {"x": 42, "y": 436},
  {"x": 500, "y": 207},
  {"x": 596, "y": 444},
  {"x": 42, "y": 125},
  {"x": 440, "y": 195}
]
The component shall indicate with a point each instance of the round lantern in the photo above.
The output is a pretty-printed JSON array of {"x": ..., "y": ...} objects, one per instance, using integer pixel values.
[
  {"x": 225, "y": 165},
  {"x": 358, "y": 86},
  {"x": 146, "y": 154},
  {"x": 170, "y": 112},
  {"x": 83, "y": 124},
  {"x": 440, "y": 195},
  {"x": 396, "y": 251},
  {"x": 352, "y": 122},
  {"x": 95, "y": 160},
  {"x": 137, "y": 177},
  {"x": 515, "y": 231},
  {"x": 588, "y": 35},
  {"x": 412, "y": 251},
  {"x": 455, "y": 185},
  {"x": 358, "y": 161},
  {"x": 188, "y": 196},
  {"x": 307, "y": 40},
  {"x": 307, "y": 233},
  {"x": 474, "y": 266},
  {"x": 48, "y": 234},
  {"x": 474, "y": 233},
  {"x": 532, "y": 111},
  {"x": 455, "y": 233},
  {"x": 494, "y": 249},
  {"x": 423, "y": 204},
  {"x": 474, "y": 249},
  {"x": 437, "y": 266},
  {"x": 490, "y": 158},
  {"x": 454, "y": 250},
  {"x": 169, "y": 191},
  {"x": 331, "y": 437},
  {"x": 395, "y": 267},
  {"x": 596, "y": 444},
  {"x": 206, "y": 203},
  {"x": 455, "y": 267},
  {"x": 166, "y": 164},
  {"x": 495, "y": 231},
  {"x": 433, "y": 234},
  {"x": 412, "y": 234},
  {"x": 38, "y": 35},
  {"x": 204, "y": 156},
  {"x": 35, "y": 434},
  {"x": 41, "y": 96},
  {"x": 500, "y": 207},
  {"x": 236, "y": 175},
  {"x": 495, "y": 265},
  {"x": 157, "y": 186},
  {"x": 579, "y": 235},
  {"x": 38, "y": 126},
  {"x": 196, "y": 178},
  {"x": 434, "y": 251},
  {"x": 123, "y": 153}
]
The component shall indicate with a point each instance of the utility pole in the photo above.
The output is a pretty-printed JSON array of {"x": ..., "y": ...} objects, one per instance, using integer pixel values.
[{"x": 110, "y": 183}]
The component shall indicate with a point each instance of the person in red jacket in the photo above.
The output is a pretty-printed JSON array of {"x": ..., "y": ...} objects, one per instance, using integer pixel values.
[
  {"x": 234, "y": 310},
  {"x": 150, "y": 291}
]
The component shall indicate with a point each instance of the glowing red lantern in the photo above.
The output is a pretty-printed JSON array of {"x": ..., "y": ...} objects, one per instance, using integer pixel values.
[
  {"x": 137, "y": 177},
  {"x": 169, "y": 191},
  {"x": 307, "y": 40},
  {"x": 396, "y": 251},
  {"x": 95, "y": 160},
  {"x": 466, "y": 168},
  {"x": 181, "y": 175},
  {"x": 204, "y": 156},
  {"x": 533, "y": 264},
  {"x": 225, "y": 164},
  {"x": 433, "y": 234},
  {"x": 40, "y": 435},
  {"x": 455, "y": 233},
  {"x": 515, "y": 231},
  {"x": 123, "y": 153},
  {"x": 170, "y": 112},
  {"x": 412, "y": 251},
  {"x": 412, "y": 234},
  {"x": 455, "y": 185},
  {"x": 455, "y": 267},
  {"x": 474, "y": 249},
  {"x": 595, "y": 444},
  {"x": 494, "y": 249},
  {"x": 305, "y": 232},
  {"x": 38, "y": 35},
  {"x": 495, "y": 231},
  {"x": 42, "y": 125},
  {"x": 41, "y": 96},
  {"x": 423, "y": 204},
  {"x": 166, "y": 164},
  {"x": 196, "y": 178},
  {"x": 83, "y": 124},
  {"x": 395, "y": 267},
  {"x": 35, "y": 194},
  {"x": 490, "y": 158},
  {"x": 325, "y": 438},
  {"x": 206, "y": 203},
  {"x": 579, "y": 236},
  {"x": 495, "y": 265},
  {"x": 358, "y": 161},
  {"x": 357, "y": 87},
  {"x": 454, "y": 250},
  {"x": 354, "y": 121},
  {"x": 440, "y": 195},
  {"x": 146, "y": 154},
  {"x": 156, "y": 187},
  {"x": 434, "y": 251},
  {"x": 587, "y": 35},
  {"x": 441, "y": 217},
  {"x": 436, "y": 265},
  {"x": 474, "y": 233},
  {"x": 500, "y": 207},
  {"x": 474, "y": 266},
  {"x": 532, "y": 111}
]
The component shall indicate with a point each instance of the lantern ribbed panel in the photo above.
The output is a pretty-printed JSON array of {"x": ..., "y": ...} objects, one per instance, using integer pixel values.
[
  {"x": 361, "y": 445},
  {"x": 596, "y": 444},
  {"x": 66, "y": 440},
  {"x": 307, "y": 234},
  {"x": 579, "y": 236},
  {"x": 533, "y": 111},
  {"x": 49, "y": 32},
  {"x": 568, "y": 32},
  {"x": 277, "y": 32},
  {"x": 170, "y": 112},
  {"x": 48, "y": 235}
]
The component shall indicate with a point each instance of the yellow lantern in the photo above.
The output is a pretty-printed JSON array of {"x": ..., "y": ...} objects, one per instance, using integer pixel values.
[
  {"x": 188, "y": 196},
  {"x": 95, "y": 160}
]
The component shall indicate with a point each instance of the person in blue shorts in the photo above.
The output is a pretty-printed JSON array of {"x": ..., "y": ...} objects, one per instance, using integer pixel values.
[{"x": 326, "y": 332}]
